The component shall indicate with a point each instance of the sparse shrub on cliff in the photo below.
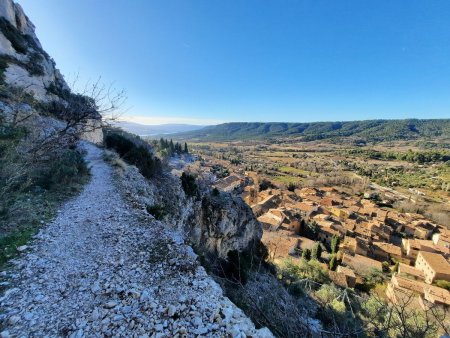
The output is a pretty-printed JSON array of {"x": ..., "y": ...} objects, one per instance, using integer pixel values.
[
  {"x": 157, "y": 210},
  {"x": 238, "y": 265},
  {"x": 135, "y": 154},
  {"x": 34, "y": 65},
  {"x": 14, "y": 36},
  {"x": 3, "y": 66},
  {"x": 32, "y": 184},
  {"x": 63, "y": 170},
  {"x": 189, "y": 185},
  {"x": 292, "y": 272}
]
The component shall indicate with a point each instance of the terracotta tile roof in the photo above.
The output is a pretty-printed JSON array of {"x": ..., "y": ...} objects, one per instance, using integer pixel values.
[
  {"x": 346, "y": 271},
  {"x": 389, "y": 248},
  {"x": 312, "y": 198},
  {"x": 408, "y": 284},
  {"x": 404, "y": 269},
  {"x": 436, "y": 294},
  {"x": 427, "y": 245},
  {"x": 329, "y": 231},
  {"x": 307, "y": 191},
  {"x": 329, "y": 201},
  {"x": 279, "y": 244},
  {"x": 303, "y": 207},
  {"x": 436, "y": 261},
  {"x": 350, "y": 226},
  {"x": 338, "y": 278},
  {"x": 360, "y": 263},
  {"x": 269, "y": 220},
  {"x": 354, "y": 208},
  {"x": 229, "y": 182}
]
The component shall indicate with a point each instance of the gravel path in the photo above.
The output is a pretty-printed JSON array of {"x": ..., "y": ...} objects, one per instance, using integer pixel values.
[{"x": 102, "y": 269}]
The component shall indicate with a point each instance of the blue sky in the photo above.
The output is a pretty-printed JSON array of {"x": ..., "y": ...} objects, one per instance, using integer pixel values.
[{"x": 209, "y": 61}]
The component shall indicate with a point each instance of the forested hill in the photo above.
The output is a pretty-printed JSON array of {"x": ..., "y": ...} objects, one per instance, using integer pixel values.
[{"x": 371, "y": 130}]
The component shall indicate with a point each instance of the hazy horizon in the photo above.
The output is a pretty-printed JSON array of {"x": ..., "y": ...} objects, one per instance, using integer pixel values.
[{"x": 208, "y": 62}]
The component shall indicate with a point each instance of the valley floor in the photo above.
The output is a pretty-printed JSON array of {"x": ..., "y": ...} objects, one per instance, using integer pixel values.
[{"x": 102, "y": 268}]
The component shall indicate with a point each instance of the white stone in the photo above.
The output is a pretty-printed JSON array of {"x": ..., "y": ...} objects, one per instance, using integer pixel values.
[{"x": 110, "y": 305}]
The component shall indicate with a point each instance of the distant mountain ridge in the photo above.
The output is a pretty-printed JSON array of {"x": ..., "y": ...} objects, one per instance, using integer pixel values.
[
  {"x": 160, "y": 129},
  {"x": 369, "y": 130}
]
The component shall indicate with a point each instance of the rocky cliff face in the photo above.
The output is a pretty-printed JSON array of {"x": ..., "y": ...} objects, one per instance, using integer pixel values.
[
  {"x": 23, "y": 62},
  {"x": 29, "y": 79},
  {"x": 223, "y": 223},
  {"x": 213, "y": 224}
]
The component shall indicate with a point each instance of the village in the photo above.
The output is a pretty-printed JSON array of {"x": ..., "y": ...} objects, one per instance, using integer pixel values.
[{"x": 358, "y": 236}]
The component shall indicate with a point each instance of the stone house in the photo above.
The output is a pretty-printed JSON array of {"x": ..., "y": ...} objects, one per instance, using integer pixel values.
[
  {"x": 434, "y": 266},
  {"x": 326, "y": 234}
]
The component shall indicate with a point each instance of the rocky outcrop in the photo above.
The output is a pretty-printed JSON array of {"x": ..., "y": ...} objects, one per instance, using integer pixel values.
[
  {"x": 223, "y": 223},
  {"x": 23, "y": 62},
  {"x": 25, "y": 65},
  {"x": 213, "y": 224}
]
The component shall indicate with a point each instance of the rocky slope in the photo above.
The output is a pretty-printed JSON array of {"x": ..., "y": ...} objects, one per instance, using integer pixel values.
[
  {"x": 214, "y": 225},
  {"x": 103, "y": 268}
]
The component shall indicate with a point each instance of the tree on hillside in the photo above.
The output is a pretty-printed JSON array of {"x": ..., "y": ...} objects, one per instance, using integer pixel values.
[
  {"x": 333, "y": 263},
  {"x": 306, "y": 254},
  {"x": 334, "y": 244},
  {"x": 79, "y": 112},
  {"x": 316, "y": 252},
  {"x": 401, "y": 319},
  {"x": 186, "y": 150},
  {"x": 312, "y": 229}
]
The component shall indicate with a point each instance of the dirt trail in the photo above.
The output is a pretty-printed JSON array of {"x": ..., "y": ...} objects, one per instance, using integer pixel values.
[{"x": 102, "y": 268}]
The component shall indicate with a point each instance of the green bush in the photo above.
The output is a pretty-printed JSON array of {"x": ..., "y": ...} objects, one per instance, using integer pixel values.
[
  {"x": 443, "y": 284},
  {"x": 311, "y": 270},
  {"x": 189, "y": 185},
  {"x": 157, "y": 210},
  {"x": 135, "y": 154},
  {"x": 306, "y": 254},
  {"x": 63, "y": 170},
  {"x": 265, "y": 184}
]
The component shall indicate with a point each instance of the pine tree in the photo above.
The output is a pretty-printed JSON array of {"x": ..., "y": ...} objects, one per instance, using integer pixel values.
[
  {"x": 334, "y": 244},
  {"x": 333, "y": 263},
  {"x": 306, "y": 254},
  {"x": 171, "y": 148},
  {"x": 316, "y": 252},
  {"x": 186, "y": 151}
]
